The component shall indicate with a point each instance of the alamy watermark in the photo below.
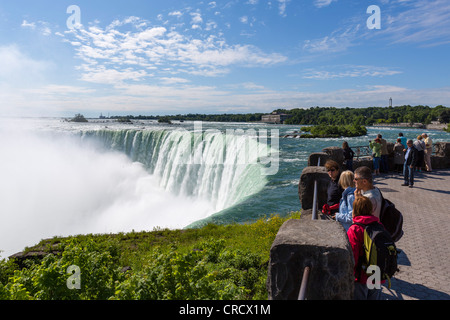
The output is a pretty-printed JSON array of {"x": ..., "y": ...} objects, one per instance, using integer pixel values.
[
  {"x": 374, "y": 21},
  {"x": 374, "y": 280},
  {"x": 234, "y": 147},
  {"x": 74, "y": 281},
  {"x": 74, "y": 21}
]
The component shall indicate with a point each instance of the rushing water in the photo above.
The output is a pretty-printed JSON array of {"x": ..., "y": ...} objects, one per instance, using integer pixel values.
[{"x": 61, "y": 178}]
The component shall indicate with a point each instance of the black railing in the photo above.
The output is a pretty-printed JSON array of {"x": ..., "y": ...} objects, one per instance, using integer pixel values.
[{"x": 362, "y": 152}]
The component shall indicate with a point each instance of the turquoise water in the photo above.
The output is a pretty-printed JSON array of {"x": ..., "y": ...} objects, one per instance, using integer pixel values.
[
  {"x": 64, "y": 178},
  {"x": 280, "y": 195}
]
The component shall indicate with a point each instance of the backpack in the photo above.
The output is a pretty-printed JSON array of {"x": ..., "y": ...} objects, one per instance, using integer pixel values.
[
  {"x": 391, "y": 218},
  {"x": 380, "y": 250}
]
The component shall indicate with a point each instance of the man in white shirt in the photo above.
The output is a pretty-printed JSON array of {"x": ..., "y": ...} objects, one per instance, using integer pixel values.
[
  {"x": 428, "y": 151},
  {"x": 364, "y": 187}
]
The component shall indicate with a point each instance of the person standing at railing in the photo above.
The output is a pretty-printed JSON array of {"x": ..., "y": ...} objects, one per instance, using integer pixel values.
[
  {"x": 411, "y": 156},
  {"x": 375, "y": 146},
  {"x": 420, "y": 146},
  {"x": 384, "y": 155},
  {"x": 348, "y": 156},
  {"x": 399, "y": 156},
  {"x": 428, "y": 151},
  {"x": 402, "y": 138}
]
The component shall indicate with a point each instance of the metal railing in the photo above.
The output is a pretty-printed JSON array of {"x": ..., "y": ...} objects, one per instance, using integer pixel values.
[
  {"x": 362, "y": 152},
  {"x": 307, "y": 270},
  {"x": 365, "y": 151},
  {"x": 304, "y": 285},
  {"x": 314, "y": 207}
]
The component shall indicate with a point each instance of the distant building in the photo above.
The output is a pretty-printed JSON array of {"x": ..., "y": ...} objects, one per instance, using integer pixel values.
[{"x": 275, "y": 117}]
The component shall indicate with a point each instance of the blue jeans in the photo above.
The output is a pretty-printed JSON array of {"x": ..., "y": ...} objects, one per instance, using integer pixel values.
[
  {"x": 384, "y": 163},
  {"x": 376, "y": 163},
  {"x": 408, "y": 173}
]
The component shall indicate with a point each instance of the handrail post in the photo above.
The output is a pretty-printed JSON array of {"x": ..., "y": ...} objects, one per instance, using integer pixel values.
[
  {"x": 314, "y": 207},
  {"x": 304, "y": 285}
]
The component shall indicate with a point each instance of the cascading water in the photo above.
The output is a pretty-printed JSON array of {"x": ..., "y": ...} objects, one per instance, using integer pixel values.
[
  {"x": 73, "y": 180},
  {"x": 221, "y": 169}
]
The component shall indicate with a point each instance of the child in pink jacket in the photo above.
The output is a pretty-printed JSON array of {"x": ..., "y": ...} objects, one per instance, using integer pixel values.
[{"x": 362, "y": 213}]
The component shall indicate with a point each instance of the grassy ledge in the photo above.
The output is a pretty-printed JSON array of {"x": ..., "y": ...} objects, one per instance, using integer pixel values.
[{"x": 213, "y": 262}]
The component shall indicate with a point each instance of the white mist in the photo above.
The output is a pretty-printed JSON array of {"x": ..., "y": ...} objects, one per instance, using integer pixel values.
[{"x": 56, "y": 186}]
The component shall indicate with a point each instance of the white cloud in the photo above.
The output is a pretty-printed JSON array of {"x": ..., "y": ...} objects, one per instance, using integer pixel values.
[
  {"x": 42, "y": 26},
  {"x": 323, "y": 3},
  {"x": 112, "y": 76},
  {"x": 243, "y": 19},
  {"x": 338, "y": 41},
  {"x": 176, "y": 13},
  {"x": 349, "y": 71},
  {"x": 110, "y": 55},
  {"x": 425, "y": 22},
  {"x": 196, "y": 18},
  {"x": 282, "y": 4},
  {"x": 26, "y": 24}
]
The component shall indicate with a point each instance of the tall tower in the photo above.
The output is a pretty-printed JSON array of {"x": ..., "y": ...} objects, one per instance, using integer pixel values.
[{"x": 390, "y": 102}]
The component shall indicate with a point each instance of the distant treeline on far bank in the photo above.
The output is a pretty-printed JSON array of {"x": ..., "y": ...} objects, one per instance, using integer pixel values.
[{"x": 326, "y": 115}]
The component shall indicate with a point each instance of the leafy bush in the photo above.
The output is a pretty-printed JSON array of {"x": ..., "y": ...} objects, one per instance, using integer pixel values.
[{"x": 214, "y": 262}]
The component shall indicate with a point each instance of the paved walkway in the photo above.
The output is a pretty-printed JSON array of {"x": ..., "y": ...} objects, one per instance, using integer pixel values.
[{"x": 425, "y": 259}]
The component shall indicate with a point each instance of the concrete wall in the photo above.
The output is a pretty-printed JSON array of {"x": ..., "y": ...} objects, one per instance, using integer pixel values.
[{"x": 320, "y": 244}]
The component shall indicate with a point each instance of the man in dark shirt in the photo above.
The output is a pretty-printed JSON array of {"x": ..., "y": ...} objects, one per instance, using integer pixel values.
[{"x": 411, "y": 157}]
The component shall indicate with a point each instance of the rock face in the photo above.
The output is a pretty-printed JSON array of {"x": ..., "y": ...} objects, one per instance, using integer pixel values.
[{"x": 321, "y": 245}]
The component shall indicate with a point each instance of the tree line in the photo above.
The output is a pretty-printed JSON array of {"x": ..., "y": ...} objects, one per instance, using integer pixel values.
[
  {"x": 250, "y": 117},
  {"x": 325, "y": 115},
  {"x": 367, "y": 116}
]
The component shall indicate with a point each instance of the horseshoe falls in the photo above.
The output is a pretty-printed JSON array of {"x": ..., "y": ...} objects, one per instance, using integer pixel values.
[
  {"x": 209, "y": 167},
  {"x": 62, "y": 179}
]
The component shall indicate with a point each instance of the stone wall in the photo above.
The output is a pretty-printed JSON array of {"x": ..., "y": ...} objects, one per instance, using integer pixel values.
[{"x": 320, "y": 244}]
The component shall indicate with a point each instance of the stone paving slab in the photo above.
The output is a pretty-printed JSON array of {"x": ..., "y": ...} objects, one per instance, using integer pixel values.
[{"x": 425, "y": 259}]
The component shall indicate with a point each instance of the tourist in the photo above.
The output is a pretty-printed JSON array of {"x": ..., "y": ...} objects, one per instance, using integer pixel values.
[
  {"x": 428, "y": 151},
  {"x": 411, "y": 156},
  {"x": 364, "y": 187},
  {"x": 334, "y": 191},
  {"x": 420, "y": 146},
  {"x": 348, "y": 156},
  {"x": 344, "y": 215},
  {"x": 403, "y": 139},
  {"x": 399, "y": 156},
  {"x": 375, "y": 146},
  {"x": 362, "y": 213},
  {"x": 384, "y": 155}
]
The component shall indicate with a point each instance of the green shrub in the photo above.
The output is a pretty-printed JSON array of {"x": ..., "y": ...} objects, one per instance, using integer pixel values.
[{"x": 214, "y": 262}]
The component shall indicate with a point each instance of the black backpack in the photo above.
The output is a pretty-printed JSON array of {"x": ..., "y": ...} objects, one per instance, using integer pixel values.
[
  {"x": 391, "y": 218},
  {"x": 379, "y": 250}
]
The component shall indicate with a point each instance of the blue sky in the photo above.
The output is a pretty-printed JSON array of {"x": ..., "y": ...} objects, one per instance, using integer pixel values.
[{"x": 170, "y": 57}]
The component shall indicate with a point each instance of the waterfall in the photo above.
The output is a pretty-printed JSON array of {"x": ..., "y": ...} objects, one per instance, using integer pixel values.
[
  {"x": 222, "y": 169},
  {"x": 62, "y": 179}
]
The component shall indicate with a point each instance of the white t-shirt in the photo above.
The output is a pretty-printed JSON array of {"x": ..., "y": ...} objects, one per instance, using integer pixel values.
[{"x": 375, "y": 196}]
